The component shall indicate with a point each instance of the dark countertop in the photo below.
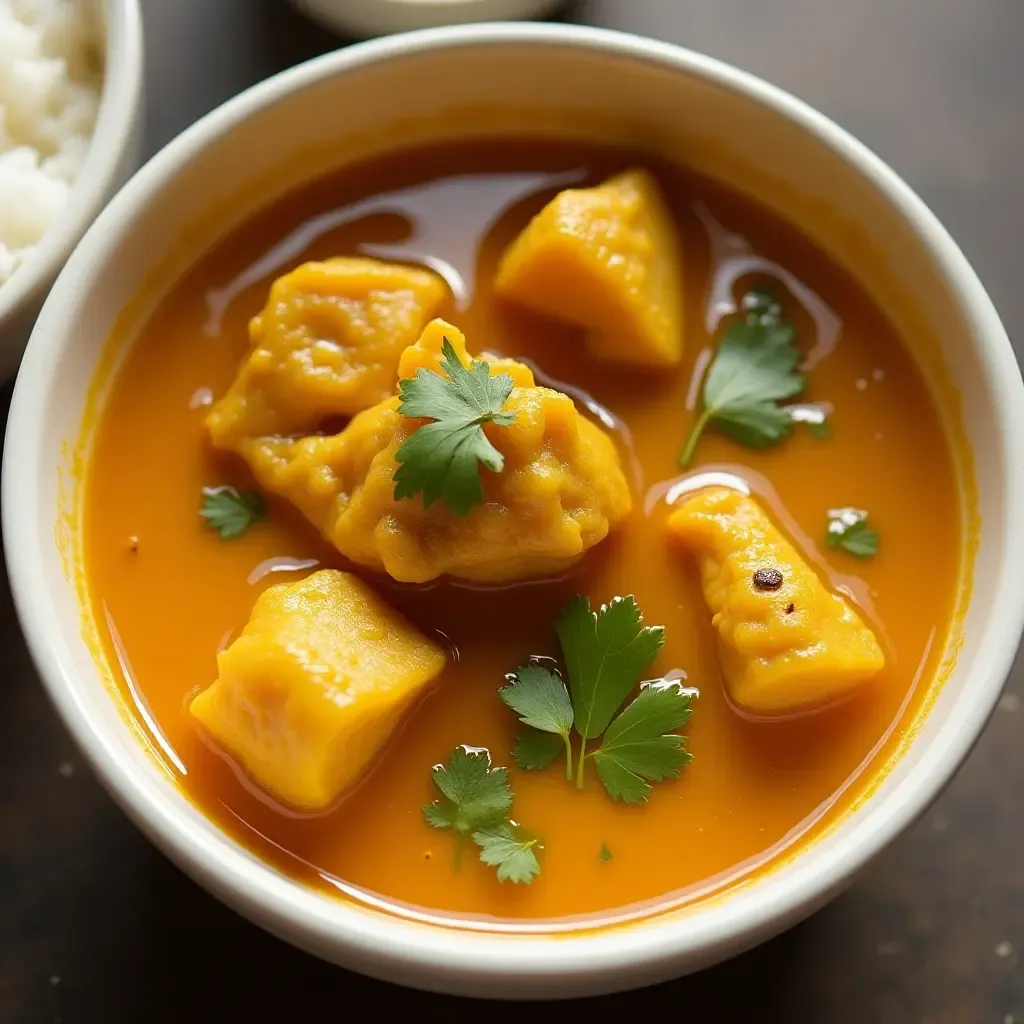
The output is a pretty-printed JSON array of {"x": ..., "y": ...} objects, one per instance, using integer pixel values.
[{"x": 95, "y": 926}]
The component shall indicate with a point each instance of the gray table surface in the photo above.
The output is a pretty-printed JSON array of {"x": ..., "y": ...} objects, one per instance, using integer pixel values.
[{"x": 96, "y": 926}]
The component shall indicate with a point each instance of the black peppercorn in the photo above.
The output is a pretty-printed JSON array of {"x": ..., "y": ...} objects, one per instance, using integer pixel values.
[{"x": 767, "y": 579}]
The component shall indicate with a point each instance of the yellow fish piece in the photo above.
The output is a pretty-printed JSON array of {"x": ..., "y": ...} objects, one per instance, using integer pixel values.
[
  {"x": 326, "y": 344},
  {"x": 785, "y": 642},
  {"x": 560, "y": 493},
  {"x": 608, "y": 259},
  {"x": 314, "y": 686}
]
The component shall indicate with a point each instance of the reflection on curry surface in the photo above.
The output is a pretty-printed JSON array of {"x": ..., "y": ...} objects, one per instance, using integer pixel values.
[{"x": 611, "y": 611}]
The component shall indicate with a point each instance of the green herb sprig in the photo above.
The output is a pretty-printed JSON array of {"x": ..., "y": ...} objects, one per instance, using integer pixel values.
[
  {"x": 605, "y": 654},
  {"x": 442, "y": 459},
  {"x": 754, "y": 368},
  {"x": 475, "y": 801},
  {"x": 231, "y": 513}
]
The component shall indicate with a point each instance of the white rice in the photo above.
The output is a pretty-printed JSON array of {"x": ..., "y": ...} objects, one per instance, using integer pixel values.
[{"x": 50, "y": 77}]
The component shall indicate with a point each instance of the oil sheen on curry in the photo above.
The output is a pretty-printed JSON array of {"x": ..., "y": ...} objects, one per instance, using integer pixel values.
[{"x": 520, "y": 531}]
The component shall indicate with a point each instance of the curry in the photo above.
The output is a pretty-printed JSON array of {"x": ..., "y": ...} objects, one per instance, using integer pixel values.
[{"x": 548, "y": 534}]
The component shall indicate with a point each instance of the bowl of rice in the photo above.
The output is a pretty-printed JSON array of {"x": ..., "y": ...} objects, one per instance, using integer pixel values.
[{"x": 70, "y": 114}]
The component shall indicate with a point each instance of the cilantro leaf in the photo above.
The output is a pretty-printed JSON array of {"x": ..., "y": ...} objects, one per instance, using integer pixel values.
[
  {"x": 848, "y": 529},
  {"x": 475, "y": 795},
  {"x": 540, "y": 698},
  {"x": 605, "y": 653},
  {"x": 640, "y": 746},
  {"x": 476, "y": 799},
  {"x": 755, "y": 425},
  {"x": 442, "y": 459},
  {"x": 604, "y": 854},
  {"x": 542, "y": 702},
  {"x": 753, "y": 370},
  {"x": 535, "y": 750},
  {"x": 512, "y": 854},
  {"x": 231, "y": 513}
]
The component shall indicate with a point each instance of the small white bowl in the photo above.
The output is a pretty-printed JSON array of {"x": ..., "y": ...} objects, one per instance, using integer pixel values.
[
  {"x": 382, "y": 17},
  {"x": 478, "y": 80},
  {"x": 113, "y": 155}
]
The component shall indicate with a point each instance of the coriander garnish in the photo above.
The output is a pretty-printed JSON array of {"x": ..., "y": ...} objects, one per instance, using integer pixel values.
[
  {"x": 605, "y": 655},
  {"x": 475, "y": 795},
  {"x": 604, "y": 854},
  {"x": 848, "y": 529},
  {"x": 542, "y": 702},
  {"x": 510, "y": 851},
  {"x": 641, "y": 746},
  {"x": 442, "y": 459},
  {"x": 231, "y": 513},
  {"x": 753, "y": 370},
  {"x": 534, "y": 750},
  {"x": 476, "y": 799}
]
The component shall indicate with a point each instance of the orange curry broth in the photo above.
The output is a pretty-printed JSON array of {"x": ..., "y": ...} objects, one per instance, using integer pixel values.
[{"x": 753, "y": 788}]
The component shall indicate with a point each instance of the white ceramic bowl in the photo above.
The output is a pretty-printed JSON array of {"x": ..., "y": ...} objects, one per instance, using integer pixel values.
[
  {"x": 113, "y": 155},
  {"x": 380, "y": 17},
  {"x": 482, "y": 79}
]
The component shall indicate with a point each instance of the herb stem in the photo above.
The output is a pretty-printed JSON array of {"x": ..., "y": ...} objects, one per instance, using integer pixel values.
[
  {"x": 567, "y": 737},
  {"x": 583, "y": 758},
  {"x": 686, "y": 456},
  {"x": 457, "y": 857}
]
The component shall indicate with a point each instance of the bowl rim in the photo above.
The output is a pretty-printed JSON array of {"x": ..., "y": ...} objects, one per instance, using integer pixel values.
[
  {"x": 453, "y": 960},
  {"x": 112, "y": 137}
]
